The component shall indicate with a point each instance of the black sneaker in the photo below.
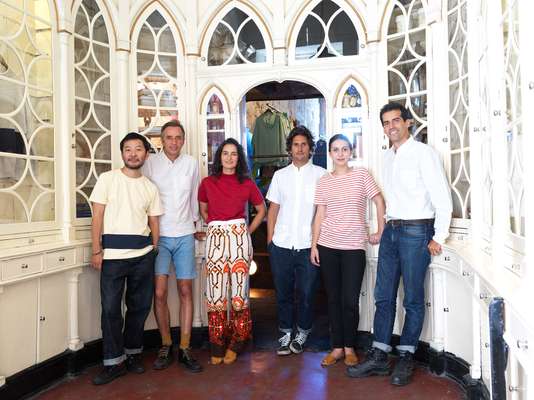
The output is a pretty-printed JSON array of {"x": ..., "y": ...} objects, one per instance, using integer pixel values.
[
  {"x": 108, "y": 373},
  {"x": 376, "y": 363},
  {"x": 188, "y": 361},
  {"x": 403, "y": 371},
  {"x": 134, "y": 363},
  {"x": 164, "y": 358},
  {"x": 297, "y": 345},
  {"x": 283, "y": 349}
]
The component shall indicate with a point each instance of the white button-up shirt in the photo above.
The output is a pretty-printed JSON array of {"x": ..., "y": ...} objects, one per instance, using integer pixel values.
[
  {"x": 294, "y": 189},
  {"x": 415, "y": 186},
  {"x": 178, "y": 183}
]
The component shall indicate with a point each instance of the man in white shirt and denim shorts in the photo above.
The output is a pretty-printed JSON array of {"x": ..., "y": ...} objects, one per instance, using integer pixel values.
[
  {"x": 289, "y": 222},
  {"x": 418, "y": 214},
  {"x": 177, "y": 178}
]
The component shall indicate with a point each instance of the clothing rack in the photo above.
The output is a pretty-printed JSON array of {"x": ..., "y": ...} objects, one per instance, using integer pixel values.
[{"x": 272, "y": 108}]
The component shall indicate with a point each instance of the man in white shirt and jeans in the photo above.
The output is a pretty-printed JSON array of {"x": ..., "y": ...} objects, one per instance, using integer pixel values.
[
  {"x": 177, "y": 178},
  {"x": 418, "y": 214},
  {"x": 289, "y": 222}
]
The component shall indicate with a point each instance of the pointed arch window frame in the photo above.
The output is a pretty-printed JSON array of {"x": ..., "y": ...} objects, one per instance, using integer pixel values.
[
  {"x": 294, "y": 30},
  {"x": 251, "y": 16},
  {"x": 180, "y": 68}
]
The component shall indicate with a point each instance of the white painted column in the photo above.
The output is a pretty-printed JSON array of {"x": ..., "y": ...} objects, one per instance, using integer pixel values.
[
  {"x": 121, "y": 101},
  {"x": 2, "y": 378},
  {"x": 65, "y": 140},
  {"x": 74, "y": 341}
]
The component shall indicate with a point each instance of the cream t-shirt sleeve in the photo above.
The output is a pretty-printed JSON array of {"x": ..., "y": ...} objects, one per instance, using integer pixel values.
[
  {"x": 155, "y": 209},
  {"x": 101, "y": 190}
]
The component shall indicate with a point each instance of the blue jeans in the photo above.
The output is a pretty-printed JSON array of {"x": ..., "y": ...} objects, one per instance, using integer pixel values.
[
  {"x": 138, "y": 276},
  {"x": 293, "y": 269},
  {"x": 403, "y": 252}
]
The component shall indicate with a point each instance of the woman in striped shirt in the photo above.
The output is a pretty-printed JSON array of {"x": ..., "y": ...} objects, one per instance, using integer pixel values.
[{"x": 339, "y": 241}]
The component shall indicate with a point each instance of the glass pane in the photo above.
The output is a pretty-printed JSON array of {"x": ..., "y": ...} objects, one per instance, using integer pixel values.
[
  {"x": 10, "y": 25},
  {"x": 166, "y": 41},
  {"x": 91, "y": 7},
  {"x": 11, "y": 140},
  {"x": 397, "y": 21},
  {"x": 146, "y": 39},
  {"x": 343, "y": 36},
  {"x": 43, "y": 171},
  {"x": 144, "y": 63},
  {"x": 168, "y": 99},
  {"x": 100, "y": 32},
  {"x": 83, "y": 169},
  {"x": 102, "y": 56},
  {"x": 41, "y": 104},
  {"x": 103, "y": 115},
  {"x": 221, "y": 45},
  {"x": 40, "y": 73},
  {"x": 102, "y": 90},
  {"x": 325, "y": 9},
  {"x": 145, "y": 96},
  {"x": 214, "y": 106},
  {"x": 42, "y": 143},
  {"x": 44, "y": 208},
  {"x": 395, "y": 47},
  {"x": 100, "y": 168},
  {"x": 12, "y": 210},
  {"x": 81, "y": 87},
  {"x": 235, "y": 18},
  {"x": 251, "y": 44},
  {"x": 41, "y": 34},
  {"x": 452, "y": 27},
  {"x": 81, "y": 26},
  {"x": 417, "y": 15},
  {"x": 81, "y": 47},
  {"x": 81, "y": 111},
  {"x": 418, "y": 106},
  {"x": 26, "y": 120},
  {"x": 103, "y": 149},
  {"x": 396, "y": 85},
  {"x": 310, "y": 38},
  {"x": 418, "y": 82},
  {"x": 156, "y": 20},
  {"x": 11, "y": 170},
  {"x": 92, "y": 130},
  {"x": 14, "y": 96},
  {"x": 83, "y": 210},
  {"x": 351, "y": 98},
  {"x": 169, "y": 65},
  {"x": 417, "y": 43},
  {"x": 82, "y": 146},
  {"x": 10, "y": 64}
]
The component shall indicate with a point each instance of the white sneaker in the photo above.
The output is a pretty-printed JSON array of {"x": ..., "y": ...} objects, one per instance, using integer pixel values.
[
  {"x": 297, "y": 344},
  {"x": 284, "y": 340}
]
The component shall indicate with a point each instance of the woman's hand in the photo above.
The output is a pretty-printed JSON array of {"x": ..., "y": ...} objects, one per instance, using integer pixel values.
[
  {"x": 374, "y": 238},
  {"x": 314, "y": 256}
]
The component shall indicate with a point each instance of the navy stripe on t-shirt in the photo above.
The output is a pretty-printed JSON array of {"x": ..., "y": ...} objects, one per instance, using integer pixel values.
[{"x": 125, "y": 241}]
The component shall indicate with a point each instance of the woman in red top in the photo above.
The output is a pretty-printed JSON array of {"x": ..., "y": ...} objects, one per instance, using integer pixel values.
[
  {"x": 223, "y": 198},
  {"x": 339, "y": 241}
]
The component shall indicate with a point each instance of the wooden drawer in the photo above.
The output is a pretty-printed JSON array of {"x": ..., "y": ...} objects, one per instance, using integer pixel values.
[
  {"x": 447, "y": 258},
  {"x": 520, "y": 339},
  {"x": 60, "y": 258},
  {"x": 19, "y": 267},
  {"x": 468, "y": 274}
]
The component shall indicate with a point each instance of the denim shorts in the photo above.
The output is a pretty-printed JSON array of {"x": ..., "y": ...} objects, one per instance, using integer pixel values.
[{"x": 181, "y": 251}]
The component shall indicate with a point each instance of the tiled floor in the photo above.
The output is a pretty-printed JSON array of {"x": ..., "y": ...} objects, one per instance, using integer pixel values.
[{"x": 258, "y": 374}]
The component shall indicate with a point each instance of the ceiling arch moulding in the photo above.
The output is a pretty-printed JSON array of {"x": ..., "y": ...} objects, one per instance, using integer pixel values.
[
  {"x": 359, "y": 82},
  {"x": 218, "y": 11},
  {"x": 109, "y": 11},
  {"x": 172, "y": 14},
  {"x": 215, "y": 88},
  {"x": 353, "y": 8}
]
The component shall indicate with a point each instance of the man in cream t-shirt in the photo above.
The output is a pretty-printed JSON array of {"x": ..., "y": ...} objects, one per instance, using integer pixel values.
[{"x": 125, "y": 231}]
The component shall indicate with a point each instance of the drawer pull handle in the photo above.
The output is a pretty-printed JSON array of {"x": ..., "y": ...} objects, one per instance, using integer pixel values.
[
  {"x": 428, "y": 304},
  {"x": 484, "y": 296},
  {"x": 363, "y": 294},
  {"x": 61, "y": 259},
  {"x": 42, "y": 318},
  {"x": 522, "y": 344},
  {"x": 513, "y": 388},
  {"x": 466, "y": 273},
  {"x": 24, "y": 266},
  {"x": 446, "y": 309},
  {"x": 447, "y": 258},
  {"x": 486, "y": 345}
]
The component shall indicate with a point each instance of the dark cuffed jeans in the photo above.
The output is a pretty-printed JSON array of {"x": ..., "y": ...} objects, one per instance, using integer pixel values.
[
  {"x": 342, "y": 272},
  {"x": 138, "y": 275},
  {"x": 403, "y": 252},
  {"x": 292, "y": 269}
]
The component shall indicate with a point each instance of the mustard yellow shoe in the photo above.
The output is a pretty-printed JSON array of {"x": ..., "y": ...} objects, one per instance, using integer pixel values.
[
  {"x": 329, "y": 360},
  {"x": 230, "y": 357},
  {"x": 351, "y": 359},
  {"x": 216, "y": 360}
]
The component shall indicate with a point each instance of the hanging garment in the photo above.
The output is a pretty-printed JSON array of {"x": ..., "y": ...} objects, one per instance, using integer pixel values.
[{"x": 269, "y": 139}]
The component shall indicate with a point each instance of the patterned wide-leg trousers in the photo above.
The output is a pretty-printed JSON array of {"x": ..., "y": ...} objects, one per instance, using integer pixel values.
[{"x": 228, "y": 256}]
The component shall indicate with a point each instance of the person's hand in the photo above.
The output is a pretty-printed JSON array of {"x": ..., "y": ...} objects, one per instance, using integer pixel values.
[
  {"x": 199, "y": 235},
  {"x": 96, "y": 260},
  {"x": 374, "y": 238},
  {"x": 314, "y": 256},
  {"x": 434, "y": 248}
]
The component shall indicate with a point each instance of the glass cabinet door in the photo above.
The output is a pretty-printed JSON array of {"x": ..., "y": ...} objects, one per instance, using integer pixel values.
[{"x": 216, "y": 124}]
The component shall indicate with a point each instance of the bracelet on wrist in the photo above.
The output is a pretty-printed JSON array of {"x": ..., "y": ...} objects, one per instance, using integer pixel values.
[{"x": 98, "y": 252}]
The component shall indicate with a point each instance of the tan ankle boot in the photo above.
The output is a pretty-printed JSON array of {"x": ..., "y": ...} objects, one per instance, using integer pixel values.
[{"x": 230, "y": 356}]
